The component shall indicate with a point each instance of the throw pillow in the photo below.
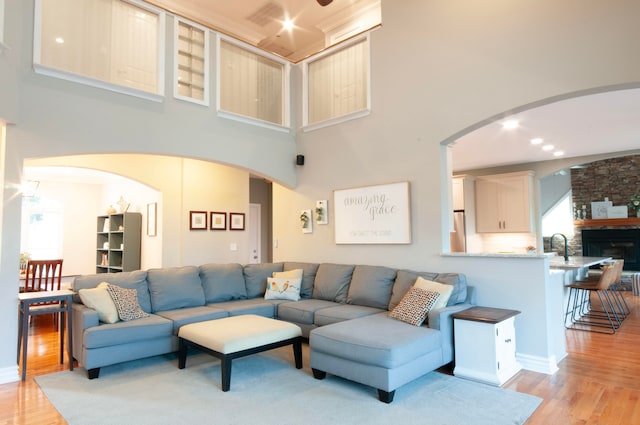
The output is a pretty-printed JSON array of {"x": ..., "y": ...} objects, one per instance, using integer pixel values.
[
  {"x": 98, "y": 298},
  {"x": 414, "y": 306},
  {"x": 282, "y": 289},
  {"x": 443, "y": 289},
  {"x": 126, "y": 301},
  {"x": 290, "y": 274}
]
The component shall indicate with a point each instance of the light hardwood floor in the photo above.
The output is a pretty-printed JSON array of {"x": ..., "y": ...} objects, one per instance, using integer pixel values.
[{"x": 597, "y": 384}]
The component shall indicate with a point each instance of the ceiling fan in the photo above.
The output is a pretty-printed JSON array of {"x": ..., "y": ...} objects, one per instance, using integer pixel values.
[{"x": 323, "y": 3}]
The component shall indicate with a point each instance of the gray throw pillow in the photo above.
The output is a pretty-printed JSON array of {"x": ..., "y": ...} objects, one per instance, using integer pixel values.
[
  {"x": 371, "y": 286},
  {"x": 255, "y": 277},
  {"x": 332, "y": 282},
  {"x": 222, "y": 282},
  {"x": 175, "y": 287}
]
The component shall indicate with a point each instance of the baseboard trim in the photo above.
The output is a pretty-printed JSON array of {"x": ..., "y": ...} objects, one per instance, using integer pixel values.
[
  {"x": 547, "y": 365},
  {"x": 9, "y": 374}
]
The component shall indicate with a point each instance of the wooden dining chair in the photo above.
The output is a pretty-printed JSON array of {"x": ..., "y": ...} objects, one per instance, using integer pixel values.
[{"x": 44, "y": 275}]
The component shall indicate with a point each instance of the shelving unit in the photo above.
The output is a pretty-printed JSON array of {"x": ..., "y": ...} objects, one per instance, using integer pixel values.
[{"x": 118, "y": 242}]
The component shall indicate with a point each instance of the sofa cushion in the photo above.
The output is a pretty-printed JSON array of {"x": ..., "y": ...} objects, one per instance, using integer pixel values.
[
  {"x": 132, "y": 280},
  {"x": 459, "y": 282},
  {"x": 222, "y": 282},
  {"x": 255, "y": 277},
  {"x": 371, "y": 286},
  {"x": 405, "y": 280},
  {"x": 184, "y": 316},
  {"x": 327, "y": 316},
  {"x": 375, "y": 340},
  {"x": 302, "y": 311},
  {"x": 126, "y": 301},
  {"x": 415, "y": 305},
  {"x": 309, "y": 271},
  {"x": 134, "y": 331},
  {"x": 332, "y": 282},
  {"x": 258, "y": 306},
  {"x": 283, "y": 288},
  {"x": 175, "y": 287}
]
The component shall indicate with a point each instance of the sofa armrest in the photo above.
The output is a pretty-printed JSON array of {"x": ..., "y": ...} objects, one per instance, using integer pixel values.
[
  {"x": 84, "y": 317},
  {"x": 441, "y": 320}
]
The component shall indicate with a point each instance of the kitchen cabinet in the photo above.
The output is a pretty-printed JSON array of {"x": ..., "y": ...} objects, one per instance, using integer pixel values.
[
  {"x": 504, "y": 203},
  {"x": 485, "y": 344},
  {"x": 457, "y": 187}
]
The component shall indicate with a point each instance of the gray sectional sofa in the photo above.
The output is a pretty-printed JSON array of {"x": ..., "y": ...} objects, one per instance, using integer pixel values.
[{"x": 343, "y": 310}]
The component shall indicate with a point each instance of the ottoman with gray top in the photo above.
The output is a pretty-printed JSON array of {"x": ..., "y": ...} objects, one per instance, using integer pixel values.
[{"x": 238, "y": 336}]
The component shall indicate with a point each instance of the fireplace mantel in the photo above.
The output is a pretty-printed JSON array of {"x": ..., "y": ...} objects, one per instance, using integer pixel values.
[{"x": 608, "y": 222}]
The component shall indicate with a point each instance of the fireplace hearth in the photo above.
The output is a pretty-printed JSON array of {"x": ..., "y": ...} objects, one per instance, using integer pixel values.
[{"x": 616, "y": 243}]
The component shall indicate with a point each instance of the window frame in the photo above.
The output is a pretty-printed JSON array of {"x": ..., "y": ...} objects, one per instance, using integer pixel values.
[
  {"x": 39, "y": 68},
  {"x": 286, "y": 72},
  {"x": 306, "y": 126},
  {"x": 176, "y": 62}
]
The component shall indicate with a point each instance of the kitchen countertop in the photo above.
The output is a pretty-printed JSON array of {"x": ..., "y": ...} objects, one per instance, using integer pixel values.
[{"x": 575, "y": 262}]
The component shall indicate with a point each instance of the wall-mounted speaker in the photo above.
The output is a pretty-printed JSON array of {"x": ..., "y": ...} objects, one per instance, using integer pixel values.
[{"x": 300, "y": 160}]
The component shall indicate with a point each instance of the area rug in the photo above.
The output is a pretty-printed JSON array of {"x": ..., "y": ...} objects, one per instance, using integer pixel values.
[{"x": 267, "y": 389}]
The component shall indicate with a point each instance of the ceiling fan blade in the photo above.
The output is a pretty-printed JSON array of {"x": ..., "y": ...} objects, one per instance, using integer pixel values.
[{"x": 324, "y": 2}]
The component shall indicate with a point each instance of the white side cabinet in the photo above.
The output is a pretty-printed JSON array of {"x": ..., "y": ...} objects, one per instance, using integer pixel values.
[{"x": 485, "y": 345}]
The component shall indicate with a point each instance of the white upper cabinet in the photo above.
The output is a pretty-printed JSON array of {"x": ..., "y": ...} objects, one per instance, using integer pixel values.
[{"x": 504, "y": 202}]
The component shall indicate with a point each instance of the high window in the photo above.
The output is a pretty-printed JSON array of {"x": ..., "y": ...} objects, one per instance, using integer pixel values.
[
  {"x": 251, "y": 85},
  {"x": 192, "y": 62},
  {"x": 337, "y": 84},
  {"x": 41, "y": 231},
  {"x": 113, "y": 44}
]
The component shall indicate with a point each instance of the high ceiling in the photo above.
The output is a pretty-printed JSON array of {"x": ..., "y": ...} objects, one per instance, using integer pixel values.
[{"x": 261, "y": 22}]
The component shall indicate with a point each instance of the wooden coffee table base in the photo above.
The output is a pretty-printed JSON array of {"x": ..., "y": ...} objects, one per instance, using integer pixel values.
[{"x": 238, "y": 336}]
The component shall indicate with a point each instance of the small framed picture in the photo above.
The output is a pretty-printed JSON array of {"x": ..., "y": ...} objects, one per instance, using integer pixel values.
[
  {"x": 197, "y": 220},
  {"x": 236, "y": 221},
  {"x": 218, "y": 221}
]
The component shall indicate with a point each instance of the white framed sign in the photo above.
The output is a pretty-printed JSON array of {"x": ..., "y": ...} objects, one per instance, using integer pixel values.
[{"x": 373, "y": 214}]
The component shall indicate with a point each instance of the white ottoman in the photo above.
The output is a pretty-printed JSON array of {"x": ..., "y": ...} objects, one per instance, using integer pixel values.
[{"x": 238, "y": 336}]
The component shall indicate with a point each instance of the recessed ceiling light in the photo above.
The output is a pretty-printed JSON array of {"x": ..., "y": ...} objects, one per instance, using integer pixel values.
[
  {"x": 547, "y": 147},
  {"x": 558, "y": 153},
  {"x": 510, "y": 124},
  {"x": 59, "y": 40},
  {"x": 287, "y": 24},
  {"x": 536, "y": 141}
]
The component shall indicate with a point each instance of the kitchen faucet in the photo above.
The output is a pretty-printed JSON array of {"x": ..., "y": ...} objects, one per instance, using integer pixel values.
[{"x": 566, "y": 245}]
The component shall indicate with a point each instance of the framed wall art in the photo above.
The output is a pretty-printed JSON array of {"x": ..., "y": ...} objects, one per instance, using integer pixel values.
[
  {"x": 218, "y": 221},
  {"x": 197, "y": 220},
  {"x": 236, "y": 221},
  {"x": 373, "y": 214}
]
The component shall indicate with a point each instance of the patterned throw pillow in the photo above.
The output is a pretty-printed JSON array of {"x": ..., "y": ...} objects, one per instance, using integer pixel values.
[
  {"x": 279, "y": 288},
  {"x": 414, "y": 306},
  {"x": 126, "y": 301}
]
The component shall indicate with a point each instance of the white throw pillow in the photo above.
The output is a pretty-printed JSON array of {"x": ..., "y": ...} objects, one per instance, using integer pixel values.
[
  {"x": 441, "y": 288},
  {"x": 98, "y": 298},
  {"x": 290, "y": 274},
  {"x": 279, "y": 288}
]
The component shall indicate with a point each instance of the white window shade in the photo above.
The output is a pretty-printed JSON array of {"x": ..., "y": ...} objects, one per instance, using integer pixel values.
[
  {"x": 338, "y": 83},
  {"x": 93, "y": 39},
  {"x": 251, "y": 85}
]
